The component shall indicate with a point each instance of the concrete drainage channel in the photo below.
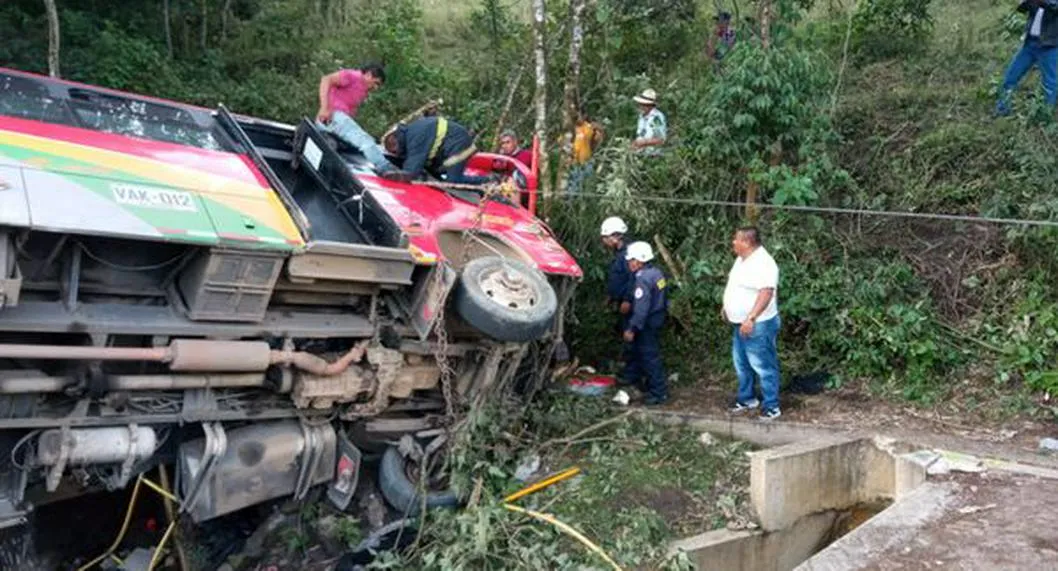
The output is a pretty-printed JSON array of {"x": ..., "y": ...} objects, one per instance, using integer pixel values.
[{"x": 832, "y": 503}]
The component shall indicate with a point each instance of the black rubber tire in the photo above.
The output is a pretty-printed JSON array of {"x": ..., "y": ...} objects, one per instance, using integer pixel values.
[
  {"x": 402, "y": 493},
  {"x": 496, "y": 320}
]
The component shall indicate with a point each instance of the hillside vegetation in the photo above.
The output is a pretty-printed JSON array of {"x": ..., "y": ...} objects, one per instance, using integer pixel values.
[
  {"x": 883, "y": 106},
  {"x": 863, "y": 105}
]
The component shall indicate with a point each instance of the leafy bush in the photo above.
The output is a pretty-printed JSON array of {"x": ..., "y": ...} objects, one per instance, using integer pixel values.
[{"x": 883, "y": 29}]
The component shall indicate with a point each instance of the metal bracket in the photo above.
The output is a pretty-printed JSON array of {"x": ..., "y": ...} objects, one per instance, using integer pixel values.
[
  {"x": 214, "y": 448},
  {"x": 197, "y": 404},
  {"x": 55, "y": 473},
  {"x": 66, "y": 442},
  {"x": 72, "y": 278},
  {"x": 314, "y": 445},
  {"x": 122, "y": 479}
]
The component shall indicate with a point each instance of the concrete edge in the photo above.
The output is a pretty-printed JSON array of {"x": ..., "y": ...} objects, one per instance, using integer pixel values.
[
  {"x": 778, "y": 433},
  {"x": 709, "y": 539},
  {"x": 893, "y": 526},
  {"x": 727, "y": 550}
]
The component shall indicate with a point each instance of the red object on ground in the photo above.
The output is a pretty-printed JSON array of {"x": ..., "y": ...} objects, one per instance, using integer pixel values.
[
  {"x": 151, "y": 525},
  {"x": 593, "y": 385}
]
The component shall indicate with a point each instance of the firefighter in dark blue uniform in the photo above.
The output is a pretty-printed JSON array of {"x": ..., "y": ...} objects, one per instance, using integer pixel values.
[
  {"x": 650, "y": 304},
  {"x": 619, "y": 280}
]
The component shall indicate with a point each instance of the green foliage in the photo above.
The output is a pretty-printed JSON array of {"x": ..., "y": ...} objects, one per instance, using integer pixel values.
[
  {"x": 1029, "y": 338},
  {"x": 348, "y": 532},
  {"x": 642, "y": 484},
  {"x": 641, "y": 36},
  {"x": 897, "y": 131},
  {"x": 884, "y": 29},
  {"x": 767, "y": 113},
  {"x": 766, "y": 96}
]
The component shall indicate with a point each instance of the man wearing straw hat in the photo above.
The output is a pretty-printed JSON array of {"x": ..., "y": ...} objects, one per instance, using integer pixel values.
[{"x": 652, "y": 129}]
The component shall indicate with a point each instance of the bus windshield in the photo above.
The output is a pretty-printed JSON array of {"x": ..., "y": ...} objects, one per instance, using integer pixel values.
[{"x": 31, "y": 98}]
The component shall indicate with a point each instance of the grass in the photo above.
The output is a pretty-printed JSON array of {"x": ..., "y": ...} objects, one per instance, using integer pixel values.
[{"x": 641, "y": 482}]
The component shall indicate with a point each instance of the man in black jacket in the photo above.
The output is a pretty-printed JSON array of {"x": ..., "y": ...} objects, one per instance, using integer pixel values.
[
  {"x": 1040, "y": 48},
  {"x": 436, "y": 145}
]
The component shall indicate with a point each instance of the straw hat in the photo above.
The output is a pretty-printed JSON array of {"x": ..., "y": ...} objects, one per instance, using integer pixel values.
[{"x": 647, "y": 97}]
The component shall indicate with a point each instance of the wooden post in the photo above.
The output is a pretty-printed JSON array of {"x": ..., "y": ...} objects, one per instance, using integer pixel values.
[
  {"x": 168, "y": 25},
  {"x": 53, "y": 37},
  {"x": 512, "y": 89},
  {"x": 570, "y": 100},
  {"x": 752, "y": 188},
  {"x": 540, "y": 97}
]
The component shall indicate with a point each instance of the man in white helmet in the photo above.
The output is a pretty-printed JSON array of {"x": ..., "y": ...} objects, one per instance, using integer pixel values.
[
  {"x": 650, "y": 304},
  {"x": 619, "y": 278}
]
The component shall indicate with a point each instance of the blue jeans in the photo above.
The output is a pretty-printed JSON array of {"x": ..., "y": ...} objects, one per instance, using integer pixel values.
[
  {"x": 644, "y": 358},
  {"x": 758, "y": 354},
  {"x": 345, "y": 128},
  {"x": 578, "y": 175},
  {"x": 1030, "y": 54}
]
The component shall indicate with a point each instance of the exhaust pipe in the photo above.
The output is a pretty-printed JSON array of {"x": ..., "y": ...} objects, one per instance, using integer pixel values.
[
  {"x": 201, "y": 355},
  {"x": 27, "y": 382}
]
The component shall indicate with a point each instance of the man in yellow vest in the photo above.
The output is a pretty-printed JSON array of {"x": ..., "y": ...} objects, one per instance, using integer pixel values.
[
  {"x": 434, "y": 145},
  {"x": 587, "y": 137}
]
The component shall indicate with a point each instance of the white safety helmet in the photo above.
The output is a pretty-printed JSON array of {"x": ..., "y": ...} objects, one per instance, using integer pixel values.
[
  {"x": 613, "y": 225},
  {"x": 640, "y": 251}
]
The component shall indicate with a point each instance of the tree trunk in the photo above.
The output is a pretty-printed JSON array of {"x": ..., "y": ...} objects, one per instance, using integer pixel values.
[
  {"x": 168, "y": 24},
  {"x": 540, "y": 97},
  {"x": 752, "y": 188},
  {"x": 765, "y": 23},
  {"x": 205, "y": 27},
  {"x": 224, "y": 19},
  {"x": 512, "y": 89},
  {"x": 53, "y": 37},
  {"x": 570, "y": 99}
]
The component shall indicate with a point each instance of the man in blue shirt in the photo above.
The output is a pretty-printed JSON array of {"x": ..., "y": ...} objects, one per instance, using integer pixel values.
[
  {"x": 434, "y": 145},
  {"x": 650, "y": 304},
  {"x": 1039, "y": 49},
  {"x": 619, "y": 280},
  {"x": 618, "y": 277}
]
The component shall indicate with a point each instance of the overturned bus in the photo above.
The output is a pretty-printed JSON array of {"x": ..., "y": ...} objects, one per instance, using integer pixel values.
[{"x": 244, "y": 303}]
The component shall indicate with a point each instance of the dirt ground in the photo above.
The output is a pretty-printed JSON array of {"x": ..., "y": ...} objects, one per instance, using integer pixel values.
[
  {"x": 997, "y": 521},
  {"x": 854, "y": 410}
]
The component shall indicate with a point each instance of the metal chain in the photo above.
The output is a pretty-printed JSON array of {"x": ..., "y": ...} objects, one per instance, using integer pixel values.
[
  {"x": 440, "y": 330},
  {"x": 441, "y": 354}
]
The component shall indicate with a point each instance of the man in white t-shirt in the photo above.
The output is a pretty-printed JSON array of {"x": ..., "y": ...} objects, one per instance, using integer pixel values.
[{"x": 751, "y": 307}]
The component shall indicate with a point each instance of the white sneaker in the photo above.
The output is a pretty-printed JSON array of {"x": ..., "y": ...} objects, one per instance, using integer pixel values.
[
  {"x": 741, "y": 407},
  {"x": 770, "y": 414}
]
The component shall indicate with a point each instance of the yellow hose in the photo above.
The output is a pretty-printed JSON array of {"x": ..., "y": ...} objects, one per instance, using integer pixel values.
[
  {"x": 170, "y": 513},
  {"x": 161, "y": 491},
  {"x": 124, "y": 528},
  {"x": 543, "y": 484},
  {"x": 568, "y": 530},
  {"x": 161, "y": 545},
  {"x": 140, "y": 480}
]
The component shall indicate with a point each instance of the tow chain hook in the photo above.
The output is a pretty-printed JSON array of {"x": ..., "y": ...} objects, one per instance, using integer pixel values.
[{"x": 410, "y": 448}]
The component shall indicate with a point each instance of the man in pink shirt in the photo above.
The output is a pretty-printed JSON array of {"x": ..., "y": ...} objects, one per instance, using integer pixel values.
[{"x": 341, "y": 94}]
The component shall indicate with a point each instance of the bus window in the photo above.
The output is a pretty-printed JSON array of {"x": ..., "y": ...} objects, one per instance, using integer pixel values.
[
  {"x": 125, "y": 116},
  {"x": 28, "y": 99}
]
